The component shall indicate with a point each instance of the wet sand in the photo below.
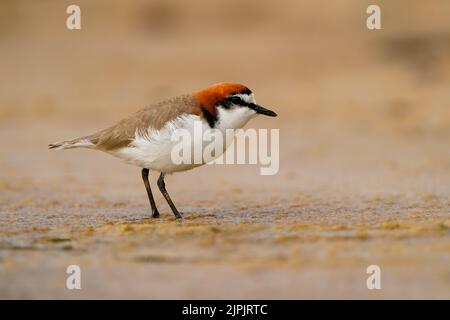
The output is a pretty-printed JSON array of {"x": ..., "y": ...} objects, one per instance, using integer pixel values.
[{"x": 309, "y": 232}]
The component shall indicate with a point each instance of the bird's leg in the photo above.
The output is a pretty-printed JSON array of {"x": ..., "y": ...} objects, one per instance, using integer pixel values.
[
  {"x": 155, "y": 212},
  {"x": 162, "y": 188}
]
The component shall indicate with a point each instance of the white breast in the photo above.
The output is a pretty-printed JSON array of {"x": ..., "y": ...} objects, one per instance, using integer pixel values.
[{"x": 153, "y": 148}]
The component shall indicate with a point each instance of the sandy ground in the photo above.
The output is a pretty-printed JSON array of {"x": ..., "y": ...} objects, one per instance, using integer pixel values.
[
  {"x": 364, "y": 161},
  {"x": 309, "y": 232}
]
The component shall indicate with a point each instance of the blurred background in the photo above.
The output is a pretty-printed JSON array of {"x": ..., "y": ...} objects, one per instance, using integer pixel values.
[
  {"x": 303, "y": 57},
  {"x": 364, "y": 119}
]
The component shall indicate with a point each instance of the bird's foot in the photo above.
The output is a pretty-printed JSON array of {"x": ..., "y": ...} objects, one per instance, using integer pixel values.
[
  {"x": 155, "y": 214},
  {"x": 178, "y": 215}
]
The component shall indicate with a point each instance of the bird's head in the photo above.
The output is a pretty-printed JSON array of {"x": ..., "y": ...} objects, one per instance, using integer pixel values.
[{"x": 229, "y": 105}]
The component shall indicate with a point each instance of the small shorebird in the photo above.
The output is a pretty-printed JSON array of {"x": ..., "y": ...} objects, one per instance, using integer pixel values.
[{"x": 144, "y": 139}]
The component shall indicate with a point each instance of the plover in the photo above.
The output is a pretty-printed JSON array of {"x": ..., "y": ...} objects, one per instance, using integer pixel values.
[{"x": 145, "y": 138}]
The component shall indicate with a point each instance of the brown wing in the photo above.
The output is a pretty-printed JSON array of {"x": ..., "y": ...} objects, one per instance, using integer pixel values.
[{"x": 154, "y": 116}]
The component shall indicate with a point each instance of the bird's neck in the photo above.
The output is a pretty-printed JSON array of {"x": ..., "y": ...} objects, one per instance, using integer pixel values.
[{"x": 234, "y": 118}]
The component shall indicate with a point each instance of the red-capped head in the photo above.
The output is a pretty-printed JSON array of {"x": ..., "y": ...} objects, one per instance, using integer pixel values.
[{"x": 222, "y": 102}]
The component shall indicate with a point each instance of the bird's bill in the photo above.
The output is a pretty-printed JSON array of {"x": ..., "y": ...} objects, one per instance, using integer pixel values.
[{"x": 261, "y": 110}]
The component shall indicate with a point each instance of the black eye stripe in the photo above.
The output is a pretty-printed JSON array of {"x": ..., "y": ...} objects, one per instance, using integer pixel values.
[{"x": 236, "y": 100}]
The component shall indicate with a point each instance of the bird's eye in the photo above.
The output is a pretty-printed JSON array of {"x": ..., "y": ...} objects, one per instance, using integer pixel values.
[{"x": 235, "y": 100}]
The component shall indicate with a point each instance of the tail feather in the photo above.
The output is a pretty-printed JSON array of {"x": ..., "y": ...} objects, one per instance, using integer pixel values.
[
  {"x": 55, "y": 145},
  {"x": 76, "y": 143}
]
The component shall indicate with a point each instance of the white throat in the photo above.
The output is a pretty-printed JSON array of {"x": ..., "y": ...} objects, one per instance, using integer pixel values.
[{"x": 235, "y": 117}]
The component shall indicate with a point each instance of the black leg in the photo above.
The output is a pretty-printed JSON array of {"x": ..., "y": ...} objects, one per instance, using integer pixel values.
[
  {"x": 162, "y": 188},
  {"x": 155, "y": 212}
]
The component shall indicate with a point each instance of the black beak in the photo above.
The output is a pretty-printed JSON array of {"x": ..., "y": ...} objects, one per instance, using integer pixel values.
[{"x": 261, "y": 110}]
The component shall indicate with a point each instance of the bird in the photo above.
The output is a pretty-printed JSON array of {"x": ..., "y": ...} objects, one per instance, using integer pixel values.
[{"x": 144, "y": 138}]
